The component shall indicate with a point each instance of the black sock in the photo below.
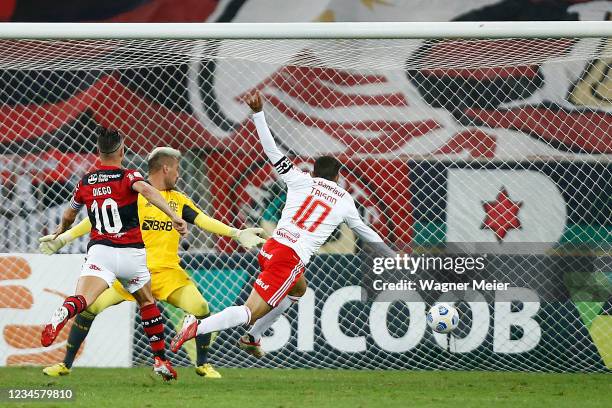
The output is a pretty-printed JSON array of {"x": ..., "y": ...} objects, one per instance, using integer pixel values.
[
  {"x": 78, "y": 332},
  {"x": 202, "y": 346}
]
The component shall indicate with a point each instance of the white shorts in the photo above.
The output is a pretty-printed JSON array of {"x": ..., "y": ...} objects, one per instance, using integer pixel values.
[{"x": 128, "y": 265}]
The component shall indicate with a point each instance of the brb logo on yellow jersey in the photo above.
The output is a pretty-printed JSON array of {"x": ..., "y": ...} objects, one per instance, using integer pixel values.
[{"x": 156, "y": 225}]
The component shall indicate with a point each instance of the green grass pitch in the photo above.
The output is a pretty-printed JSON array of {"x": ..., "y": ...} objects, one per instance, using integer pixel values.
[{"x": 283, "y": 388}]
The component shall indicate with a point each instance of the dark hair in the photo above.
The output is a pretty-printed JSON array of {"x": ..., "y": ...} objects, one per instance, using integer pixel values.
[
  {"x": 327, "y": 167},
  {"x": 109, "y": 140}
]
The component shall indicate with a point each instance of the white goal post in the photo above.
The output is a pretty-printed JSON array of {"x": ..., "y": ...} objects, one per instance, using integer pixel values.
[
  {"x": 303, "y": 31},
  {"x": 491, "y": 137}
]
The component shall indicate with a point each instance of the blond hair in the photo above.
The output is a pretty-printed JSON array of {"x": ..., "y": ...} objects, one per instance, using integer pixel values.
[{"x": 157, "y": 158}]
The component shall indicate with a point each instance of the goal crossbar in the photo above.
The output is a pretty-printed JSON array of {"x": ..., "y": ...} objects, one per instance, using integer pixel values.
[{"x": 347, "y": 30}]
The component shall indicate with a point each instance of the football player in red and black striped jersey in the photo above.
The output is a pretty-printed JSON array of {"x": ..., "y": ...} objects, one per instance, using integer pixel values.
[{"x": 115, "y": 250}]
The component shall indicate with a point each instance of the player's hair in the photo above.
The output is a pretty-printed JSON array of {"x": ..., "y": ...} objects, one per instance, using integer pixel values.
[
  {"x": 109, "y": 140},
  {"x": 160, "y": 155},
  {"x": 327, "y": 167}
]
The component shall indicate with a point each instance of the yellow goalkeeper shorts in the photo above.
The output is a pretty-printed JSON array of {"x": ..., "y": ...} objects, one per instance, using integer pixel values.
[{"x": 164, "y": 281}]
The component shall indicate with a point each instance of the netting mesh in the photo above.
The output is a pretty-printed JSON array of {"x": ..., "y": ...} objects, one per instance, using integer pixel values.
[
  {"x": 374, "y": 54},
  {"x": 498, "y": 141}
]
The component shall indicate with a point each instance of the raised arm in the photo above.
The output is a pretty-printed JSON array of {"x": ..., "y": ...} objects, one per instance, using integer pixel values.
[
  {"x": 263, "y": 131},
  {"x": 292, "y": 176}
]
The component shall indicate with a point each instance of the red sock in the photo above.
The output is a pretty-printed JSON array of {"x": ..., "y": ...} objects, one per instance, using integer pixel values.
[
  {"x": 75, "y": 305},
  {"x": 153, "y": 325}
]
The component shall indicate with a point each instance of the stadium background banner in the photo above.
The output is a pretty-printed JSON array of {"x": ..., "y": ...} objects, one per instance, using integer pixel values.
[
  {"x": 436, "y": 106},
  {"x": 31, "y": 286},
  {"x": 387, "y": 117},
  {"x": 332, "y": 327},
  {"x": 448, "y": 114}
]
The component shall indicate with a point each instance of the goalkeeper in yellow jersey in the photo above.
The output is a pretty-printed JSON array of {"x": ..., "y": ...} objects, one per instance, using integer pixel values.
[{"x": 170, "y": 283}]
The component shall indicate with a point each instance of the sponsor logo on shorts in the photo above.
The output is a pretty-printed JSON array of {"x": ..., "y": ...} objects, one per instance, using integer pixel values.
[
  {"x": 261, "y": 283},
  {"x": 134, "y": 281},
  {"x": 265, "y": 254},
  {"x": 94, "y": 267}
]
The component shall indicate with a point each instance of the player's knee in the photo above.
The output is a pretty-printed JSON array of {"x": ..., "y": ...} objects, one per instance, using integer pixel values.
[
  {"x": 299, "y": 289},
  {"x": 146, "y": 303},
  {"x": 200, "y": 309},
  {"x": 191, "y": 301},
  {"x": 298, "y": 292},
  {"x": 144, "y": 300},
  {"x": 256, "y": 307}
]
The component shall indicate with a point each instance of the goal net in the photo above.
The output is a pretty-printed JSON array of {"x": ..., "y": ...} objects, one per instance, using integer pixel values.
[{"x": 499, "y": 146}]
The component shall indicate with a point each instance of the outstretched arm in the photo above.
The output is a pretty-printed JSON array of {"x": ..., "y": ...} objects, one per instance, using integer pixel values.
[
  {"x": 49, "y": 244},
  {"x": 248, "y": 237},
  {"x": 70, "y": 213},
  {"x": 354, "y": 221},
  {"x": 67, "y": 220},
  {"x": 372, "y": 243}
]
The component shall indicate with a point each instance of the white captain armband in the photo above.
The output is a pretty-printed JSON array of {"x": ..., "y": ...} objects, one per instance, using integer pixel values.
[{"x": 75, "y": 206}]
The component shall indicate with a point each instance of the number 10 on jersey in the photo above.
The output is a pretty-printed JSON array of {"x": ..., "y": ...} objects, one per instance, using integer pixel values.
[
  {"x": 307, "y": 209},
  {"x": 108, "y": 204}
]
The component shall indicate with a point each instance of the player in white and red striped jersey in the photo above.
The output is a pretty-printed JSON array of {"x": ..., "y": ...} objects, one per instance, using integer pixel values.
[
  {"x": 116, "y": 250},
  {"x": 314, "y": 208}
]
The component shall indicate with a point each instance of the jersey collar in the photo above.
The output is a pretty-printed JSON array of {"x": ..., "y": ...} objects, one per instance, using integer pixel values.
[{"x": 103, "y": 167}]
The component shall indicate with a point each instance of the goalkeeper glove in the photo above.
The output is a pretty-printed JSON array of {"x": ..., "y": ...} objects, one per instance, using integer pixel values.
[
  {"x": 49, "y": 246},
  {"x": 249, "y": 237}
]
